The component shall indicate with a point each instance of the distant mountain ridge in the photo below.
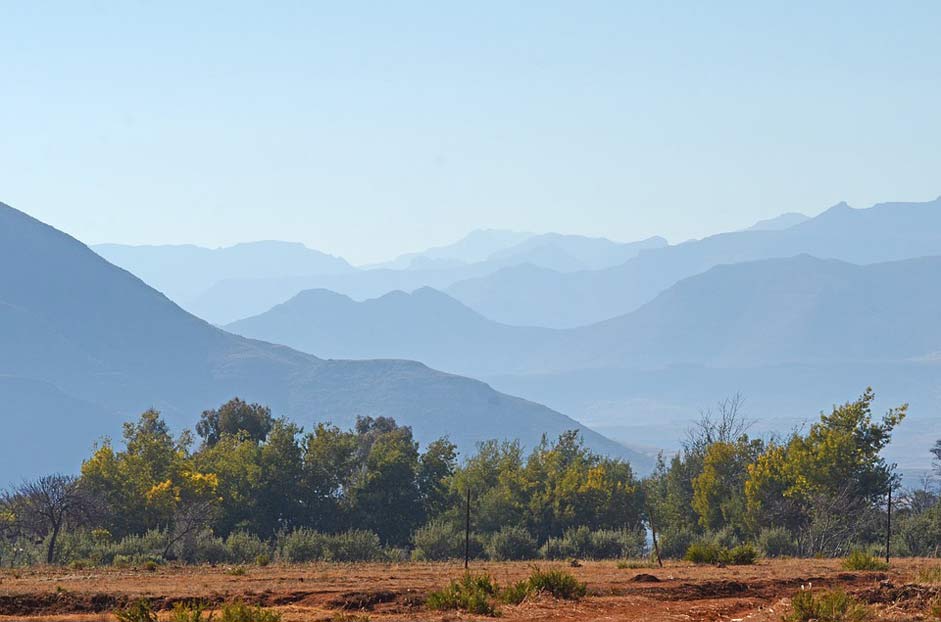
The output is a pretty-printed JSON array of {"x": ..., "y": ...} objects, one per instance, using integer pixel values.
[
  {"x": 87, "y": 344},
  {"x": 774, "y": 311},
  {"x": 220, "y": 287},
  {"x": 518, "y": 295}
]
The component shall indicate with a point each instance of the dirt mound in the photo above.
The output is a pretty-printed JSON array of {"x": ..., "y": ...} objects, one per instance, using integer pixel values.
[
  {"x": 362, "y": 601},
  {"x": 644, "y": 578}
]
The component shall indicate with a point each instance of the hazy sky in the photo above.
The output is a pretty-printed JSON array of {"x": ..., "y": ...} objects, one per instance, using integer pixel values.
[{"x": 368, "y": 129}]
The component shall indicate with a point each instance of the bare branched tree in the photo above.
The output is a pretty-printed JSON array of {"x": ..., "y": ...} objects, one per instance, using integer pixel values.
[
  {"x": 42, "y": 508},
  {"x": 726, "y": 425}
]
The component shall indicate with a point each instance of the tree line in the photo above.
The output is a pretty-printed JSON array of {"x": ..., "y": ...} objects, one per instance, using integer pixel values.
[{"x": 246, "y": 485}]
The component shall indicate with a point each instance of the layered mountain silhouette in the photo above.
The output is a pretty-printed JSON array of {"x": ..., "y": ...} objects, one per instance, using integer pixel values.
[
  {"x": 523, "y": 295},
  {"x": 777, "y": 311},
  {"x": 87, "y": 344},
  {"x": 228, "y": 284}
]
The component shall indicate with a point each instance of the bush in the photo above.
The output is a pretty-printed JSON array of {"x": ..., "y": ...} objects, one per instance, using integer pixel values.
[
  {"x": 827, "y": 606},
  {"x": 240, "y": 612},
  {"x": 705, "y": 552},
  {"x": 558, "y": 583},
  {"x": 356, "y": 545},
  {"x": 511, "y": 543},
  {"x": 741, "y": 555},
  {"x": 863, "y": 560},
  {"x": 441, "y": 540},
  {"x": 777, "y": 542},
  {"x": 244, "y": 548},
  {"x": 674, "y": 544},
  {"x": 305, "y": 545},
  {"x": 190, "y": 612},
  {"x": 471, "y": 593},
  {"x": 138, "y": 611},
  {"x": 302, "y": 545},
  {"x": 583, "y": 543}
]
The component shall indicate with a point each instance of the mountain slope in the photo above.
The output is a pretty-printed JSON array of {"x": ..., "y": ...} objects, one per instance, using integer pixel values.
[
  {"x": 425, "y": 325},
  {"x": 87, "y": 337},
  {"x": 885, "y": 232}
]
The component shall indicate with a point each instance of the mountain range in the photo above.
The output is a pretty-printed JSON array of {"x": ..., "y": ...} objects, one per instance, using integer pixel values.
[
  {"x": 217, "y": 286},
  {"x": 87, "y": 345},
  {"x": 528, "y": 296}
]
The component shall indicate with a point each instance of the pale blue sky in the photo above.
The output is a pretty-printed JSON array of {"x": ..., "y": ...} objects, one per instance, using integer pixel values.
[{"x": 368, "y": 129}]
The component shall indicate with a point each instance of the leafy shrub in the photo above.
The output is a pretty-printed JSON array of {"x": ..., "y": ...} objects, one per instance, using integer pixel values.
[
  {"x": 741, "y": 555},
  {"x": 703, "y": 553},
  {"x": 302, "y": 545},
  {"x": 863, "y": 560},
  {"x": 827, "y": 606},
  {"x": 674, "y": 544},
  {"x": 581, "y": 542},
  {"x": 356, "y": 545},
  {"x": 263, "y": 560},
  {"x": 558, "y": 583},
  {"x": 240, "y": 612},
  {"x": 777, "y": 542},
  {"x": 440, "y": 540},
  {"x": 305, "y": 545},
  {"x": 190, "y": 612},
  {"x": 470, "y": 593},
  {"x": 244, "y": 548},
  {"x": 511, "y": 543},
  {"x": 138, "y": 611}
]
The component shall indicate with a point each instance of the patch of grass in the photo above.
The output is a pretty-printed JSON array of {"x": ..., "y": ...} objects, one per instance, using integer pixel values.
[
  {"x": 262, "y": 560},
  {"x": 929, "y": 575},
  {"x": 238, "y": 571},
  {"x": 516, "y": 593},
  {"x": 138, "y": 611},
  {"x": 191, "y": 612},
  {"x": 861, "y": 560},
  {"x": 471, "y": 593},
  {"x": 349, "y": 617},
  {"x": 240, "y": 612},
  {"x": 827, "y": 606},
  {"x": 151, "y": 566},
  {"x": 635, "y": 564}
]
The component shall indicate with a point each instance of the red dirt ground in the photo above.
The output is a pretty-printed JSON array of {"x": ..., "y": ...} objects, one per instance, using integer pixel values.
[{"x": 394, "y": 592}]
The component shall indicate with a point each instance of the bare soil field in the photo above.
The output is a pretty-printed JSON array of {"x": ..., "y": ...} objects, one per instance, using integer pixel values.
[{"x": 390, "y": 592}]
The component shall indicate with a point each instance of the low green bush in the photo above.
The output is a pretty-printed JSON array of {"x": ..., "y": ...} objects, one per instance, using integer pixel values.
[
  {"x": 441, "y": 540},
  {"x": 471, "y": 593},
  {"x": 240, "y": 612},
  {"x": 244, "y": 548},
  {"x": 511, "y": 543},
  {"x": 705, "y": 552},
  {"x": 826, "y": 606},
  {"x": 583, "y": 543},
  {"x": 863, "y": 560},
  {"x": 138, "y": 611},
  {"x": 191, "y": 612},
  {"x": 558, "y": 583},
  {"x": 777, "y": 542}
]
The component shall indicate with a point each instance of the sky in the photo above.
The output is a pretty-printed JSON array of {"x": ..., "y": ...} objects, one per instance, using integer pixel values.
[{"x": 368, "y": 129}]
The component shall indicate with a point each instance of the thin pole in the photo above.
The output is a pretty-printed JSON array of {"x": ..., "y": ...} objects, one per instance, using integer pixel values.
[
  {"x": 888, "y": 525},
  {"x": 653, "y": 532},
  {"x": 467, "y": 531}
]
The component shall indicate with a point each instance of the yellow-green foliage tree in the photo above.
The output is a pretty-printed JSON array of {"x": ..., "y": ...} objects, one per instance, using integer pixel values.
[
  {"x": 837, "y": 459},
  {"x": 150, "y": 482},
  {"x": 719, "y": 490}
]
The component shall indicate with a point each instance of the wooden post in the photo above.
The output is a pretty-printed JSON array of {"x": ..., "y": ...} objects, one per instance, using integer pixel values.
[
  {"x": 653, "y": 532},
  {"x": 888, "y": 524},
  {"x": 467, "y": 531}
]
